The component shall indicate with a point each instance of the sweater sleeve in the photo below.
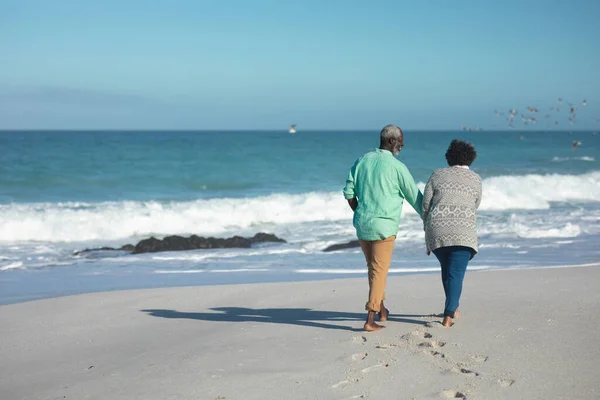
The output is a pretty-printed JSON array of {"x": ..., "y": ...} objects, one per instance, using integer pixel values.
[
  {"x": 478, "y": 200},
  {"x": 409, "y": 190}
]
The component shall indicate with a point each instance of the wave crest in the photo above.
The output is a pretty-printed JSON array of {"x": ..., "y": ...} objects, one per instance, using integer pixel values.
[{"x": 78, "y": 222}]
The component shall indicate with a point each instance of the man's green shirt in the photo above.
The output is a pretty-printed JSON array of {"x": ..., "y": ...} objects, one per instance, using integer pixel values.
[{"x": 380, "y": 182}]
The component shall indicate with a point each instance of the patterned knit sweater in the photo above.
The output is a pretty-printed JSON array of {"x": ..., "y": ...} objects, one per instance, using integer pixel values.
[{"x": 452, "y": 196}]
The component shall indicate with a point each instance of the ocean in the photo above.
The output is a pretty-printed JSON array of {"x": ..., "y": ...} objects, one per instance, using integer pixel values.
[{"x": 61, "y": 192}]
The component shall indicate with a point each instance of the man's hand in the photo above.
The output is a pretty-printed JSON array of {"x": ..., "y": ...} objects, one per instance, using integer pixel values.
[{"x": 353, "y": 203}]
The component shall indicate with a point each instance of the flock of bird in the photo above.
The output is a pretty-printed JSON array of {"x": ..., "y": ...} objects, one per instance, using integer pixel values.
[{"x": 532, "y": 116}]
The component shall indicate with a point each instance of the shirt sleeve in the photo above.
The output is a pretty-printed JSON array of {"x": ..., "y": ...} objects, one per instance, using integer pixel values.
[
  {"x": 349, "y": 192},
  {"x": 409, "y": 189},
  {"x": 427, "y": 198}
]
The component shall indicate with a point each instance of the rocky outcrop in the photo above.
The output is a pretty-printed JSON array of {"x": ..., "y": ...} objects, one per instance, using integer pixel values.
[
  {"x": 178, "y": 243},
  {"x": 342, "y": 246},
  {"x": 127, "y": 247}
]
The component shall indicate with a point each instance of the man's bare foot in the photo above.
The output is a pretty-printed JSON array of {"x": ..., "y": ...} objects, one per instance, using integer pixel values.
[
  {"x": 456, "y": 314},
  {"x": 384, "y": 314},
  {"x": 447, "y": 322},
  {"x": 372, "y": 326}
]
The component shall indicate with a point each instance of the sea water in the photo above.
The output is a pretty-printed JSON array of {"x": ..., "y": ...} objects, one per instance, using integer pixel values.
[{"x": 61, "y": 192}]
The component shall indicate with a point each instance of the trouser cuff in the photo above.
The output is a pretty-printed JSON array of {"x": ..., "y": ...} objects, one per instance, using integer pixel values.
[{"x": 373, "y": 307}]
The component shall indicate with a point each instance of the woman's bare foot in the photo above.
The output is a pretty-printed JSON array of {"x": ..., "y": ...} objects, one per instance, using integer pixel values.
[
  {"x": 456, "y": 314},
  {"x": 447, "y": 322},
  {"x": 370, "y": 327}
]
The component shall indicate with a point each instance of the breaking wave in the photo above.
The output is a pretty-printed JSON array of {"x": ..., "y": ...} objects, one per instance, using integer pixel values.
[{"x": 78, "y": 222}]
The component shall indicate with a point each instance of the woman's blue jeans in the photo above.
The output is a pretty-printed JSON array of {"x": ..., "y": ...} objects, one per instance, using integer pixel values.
[{"x": 453, "y": 260}]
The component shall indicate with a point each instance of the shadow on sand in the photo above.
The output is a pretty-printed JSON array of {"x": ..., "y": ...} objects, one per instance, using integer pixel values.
[{"x": 289, "y": 316}]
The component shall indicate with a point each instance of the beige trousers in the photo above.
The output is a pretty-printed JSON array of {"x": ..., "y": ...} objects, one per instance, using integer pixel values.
[{"x": 378, "y": 254}]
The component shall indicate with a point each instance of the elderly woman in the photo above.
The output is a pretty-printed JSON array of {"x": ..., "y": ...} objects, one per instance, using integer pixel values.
[{"x": 452, "y": 196}]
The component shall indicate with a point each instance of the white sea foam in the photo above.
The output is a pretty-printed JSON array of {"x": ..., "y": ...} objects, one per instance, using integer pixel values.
[
  {"x": 567, "y": 231},
  {"x": 534, "y": 192},
  {"x": 239, "y": 270},
  {"x": 201, "y": 271},
  {"x": 13, "y": 265},
  {"x": 562, "y": 159},
  {"x": 364, "y": 270},
  {"x": 117, "y": 221},
  {"x": 187, "y": 256},
  {"x": 499, "y": 245},
  {"x": 182, "y": 271},
  {"x": 527, "y": 227}
]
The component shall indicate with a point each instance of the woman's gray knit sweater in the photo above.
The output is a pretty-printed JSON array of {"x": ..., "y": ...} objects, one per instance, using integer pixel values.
[{"x": 452, "y": 196}]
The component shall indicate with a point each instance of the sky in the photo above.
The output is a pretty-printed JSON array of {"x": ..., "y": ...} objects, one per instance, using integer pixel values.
[{"x": 322, "y": 64}]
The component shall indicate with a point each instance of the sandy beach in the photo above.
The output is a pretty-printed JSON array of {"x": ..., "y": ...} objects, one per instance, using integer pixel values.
[{"x": 522, "y": 334}]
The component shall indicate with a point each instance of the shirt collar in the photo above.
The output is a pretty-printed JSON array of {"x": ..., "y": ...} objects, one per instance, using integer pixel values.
[
  {"x": 461, "y": 166},
  {"x": 384, "y": 151}
]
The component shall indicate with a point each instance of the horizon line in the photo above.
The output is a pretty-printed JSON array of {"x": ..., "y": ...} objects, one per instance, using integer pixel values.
[{"x": 8, "y": 130}]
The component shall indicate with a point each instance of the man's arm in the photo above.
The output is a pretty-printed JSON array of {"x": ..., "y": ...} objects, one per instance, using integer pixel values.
[
  {"x": 409, "y": 189},
  {"x": 353, "y": 203},
  {"x": 349, "y": 193}
]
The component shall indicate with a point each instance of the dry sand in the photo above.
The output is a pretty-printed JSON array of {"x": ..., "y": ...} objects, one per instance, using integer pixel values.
[{"x": 522, "y": 334}]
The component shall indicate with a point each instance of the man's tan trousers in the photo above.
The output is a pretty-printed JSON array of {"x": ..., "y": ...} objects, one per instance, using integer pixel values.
[{"x": 378, "y": 254}]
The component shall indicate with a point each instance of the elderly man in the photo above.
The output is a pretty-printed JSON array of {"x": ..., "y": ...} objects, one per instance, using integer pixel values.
[{"x": 375, "y": 189}]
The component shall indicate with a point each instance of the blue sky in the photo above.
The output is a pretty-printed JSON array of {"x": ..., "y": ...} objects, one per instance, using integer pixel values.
[{"x": 328, "y": 64}]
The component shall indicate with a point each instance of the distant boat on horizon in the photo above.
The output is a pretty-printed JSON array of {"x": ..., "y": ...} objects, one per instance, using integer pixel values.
[{"x": 292, "y": 129}]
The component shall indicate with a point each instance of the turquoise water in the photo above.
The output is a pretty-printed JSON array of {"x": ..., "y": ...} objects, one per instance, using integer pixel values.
[{"x": 64, "y": 191}]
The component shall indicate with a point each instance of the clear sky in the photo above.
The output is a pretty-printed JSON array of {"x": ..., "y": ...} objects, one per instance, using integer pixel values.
[{"x": 323, "y": 64}]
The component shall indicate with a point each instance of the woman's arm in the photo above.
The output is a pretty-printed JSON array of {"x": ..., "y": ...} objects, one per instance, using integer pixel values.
[{"x": 478, "y": 199}]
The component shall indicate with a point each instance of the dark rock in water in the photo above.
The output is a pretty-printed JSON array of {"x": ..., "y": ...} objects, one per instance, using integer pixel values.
[
  {"x": 265, "y": 237},
  {"x": 127, "y": 247},
  {"x": 341, "y": 246},
  {"x": 194, "y": 242},
  {"x": 176, "y": 243}
]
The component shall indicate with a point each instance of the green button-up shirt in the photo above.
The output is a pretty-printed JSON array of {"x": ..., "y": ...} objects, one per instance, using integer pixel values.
[{"x": 380, "y": 182}]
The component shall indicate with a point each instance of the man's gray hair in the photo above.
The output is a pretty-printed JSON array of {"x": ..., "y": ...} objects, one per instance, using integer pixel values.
[{"x": 390, "y": 131}]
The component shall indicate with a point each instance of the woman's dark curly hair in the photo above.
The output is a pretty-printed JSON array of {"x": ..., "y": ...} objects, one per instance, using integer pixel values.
[{"x": 460, "y": 153}]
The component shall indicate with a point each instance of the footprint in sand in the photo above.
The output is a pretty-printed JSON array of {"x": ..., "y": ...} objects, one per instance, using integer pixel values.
[
  {"x": 373, "y": 367},
  {"x": 341, "y": 383},
  {"x": 358, "y": 356},
  {"x": 386, "y": 346},
  {"x": 435, "y": 353},
  {"x": 479, "y": 358},
  {"x": 417, "y": 334},
  {"x": 453, "y": 394},
  {"x": 465, "y": 371},
  {"x": 433, "y": 344},
  {"x": 505, "y": 382},
  {"x": 359, "y": 339}
]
